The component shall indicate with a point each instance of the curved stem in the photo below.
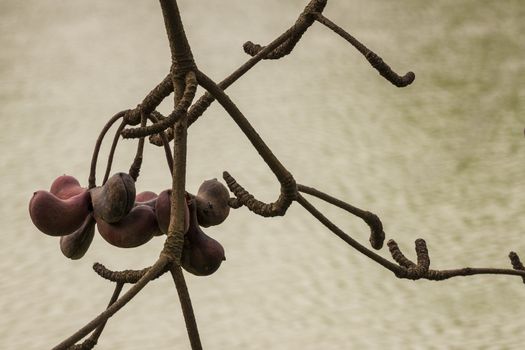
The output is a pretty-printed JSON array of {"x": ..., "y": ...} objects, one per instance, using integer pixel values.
[
  {"x": 151, "y": 101},
  {"x": 264, "y": 151},
  {"x": 96, "y": 150},
  {"x": 302, "y": 24},
  {"x": 377, "y": 235},
  {"x": 377, "y": 62},
  {"x": 112, "y": 151},
  {"x": 288, "y": 185},
  {"x": 352, "y": 242},
  {"x": 182, "y": 105},
  {"x": 134, "y": 169},
  {"x": 96, "y": 334},
  {"x": 243, "y": 197},
  {"x": 165, "y": 143}
]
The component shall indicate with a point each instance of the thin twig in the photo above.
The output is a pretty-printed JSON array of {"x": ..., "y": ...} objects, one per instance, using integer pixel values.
[
  {"x": 341, "y": 234},
  {"x": 407, "y": 269},
  {"x": 134, "y": 169},
  {"x": 376, "y": 61},
  {"x": 165, "y": 142},
  {"x": 377, "y": 235},
  {"x": 90, "y": 342},
  {"x": 288, "y": 185},
  {"x": 96, "y": 150},
  {"x": 150, "y": 102},
  {"x": 421, "y": 270},
  {"x": 187, "y": 308},
  {"x": 202, "y": 104},
  {"x": 112, "y": 151},
  {"x": 110, "y": 311},
  {"x": 302, "y": 24},
  {"x": 125, "y": 276},
  {"x": 180, "y": 110}
]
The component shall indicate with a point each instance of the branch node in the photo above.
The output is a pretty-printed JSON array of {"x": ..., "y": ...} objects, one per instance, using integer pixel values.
[
  {"x": 377, "y": 235},
  {"x": 516, "y": 263},
  {"x": 179, "y": 111},
  {"x": 398, "y": 256},
  {"x": 133, "y": 116},
  {"x": 305, "y": 20},
  {"x": 409, "y": 269}
]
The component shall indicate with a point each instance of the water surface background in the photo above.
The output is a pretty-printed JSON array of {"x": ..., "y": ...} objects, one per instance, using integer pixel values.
[{"x": 442, "y": 159}]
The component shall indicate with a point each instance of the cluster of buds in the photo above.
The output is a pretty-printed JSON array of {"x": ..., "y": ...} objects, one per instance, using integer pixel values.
[{"x": 127, "y": 220}]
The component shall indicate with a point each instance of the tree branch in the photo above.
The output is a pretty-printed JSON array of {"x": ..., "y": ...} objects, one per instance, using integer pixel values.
[
  {"x": 352, "y": 242},
  {"x": 187, "y": 309},
  {"x": 302, "y": 24},
  {"x": 120, "y": 303},
  {"x": 377, "y": 235},
  {"x": 376, "y": 61},
  {"x": 96, "y": 150},
  {"x": 90, "y": 342},
  {"x": 288, "y": 186},
  {"x": 182, "y": 106}
]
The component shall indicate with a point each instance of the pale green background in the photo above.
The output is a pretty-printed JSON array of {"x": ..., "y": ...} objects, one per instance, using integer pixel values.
[{"x": 442, "y": 159}]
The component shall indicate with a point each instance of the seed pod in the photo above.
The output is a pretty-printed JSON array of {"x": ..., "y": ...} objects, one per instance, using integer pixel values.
[
  {"x": 65, "y": 187},
  {"x": 75, "y": 245},
  {"x": 135, "y": 229},
  {"x": 212, "y": 203},
  {"x": 58, "y": 217},
  {"x": 145, "y": 196},
  {"x": 201, "y": 254},
  {"x": 114, "y": 200},
  {"x": 163, "y": 212}
]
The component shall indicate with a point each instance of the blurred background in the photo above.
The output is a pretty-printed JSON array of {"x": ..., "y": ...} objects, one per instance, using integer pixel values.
[{"x": 442, "y": 159}]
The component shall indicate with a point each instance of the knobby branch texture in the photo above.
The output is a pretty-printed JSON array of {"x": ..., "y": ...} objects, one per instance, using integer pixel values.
[{"x": 186, "y": 246}]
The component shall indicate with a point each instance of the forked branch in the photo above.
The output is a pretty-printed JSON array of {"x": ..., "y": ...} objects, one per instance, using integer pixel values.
[
  {"x": 183, "y": 79},
  {"x": 90, "y": 342},
  {"x": 305, "y": 20},
  {"x": 116, "y": 306}
]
